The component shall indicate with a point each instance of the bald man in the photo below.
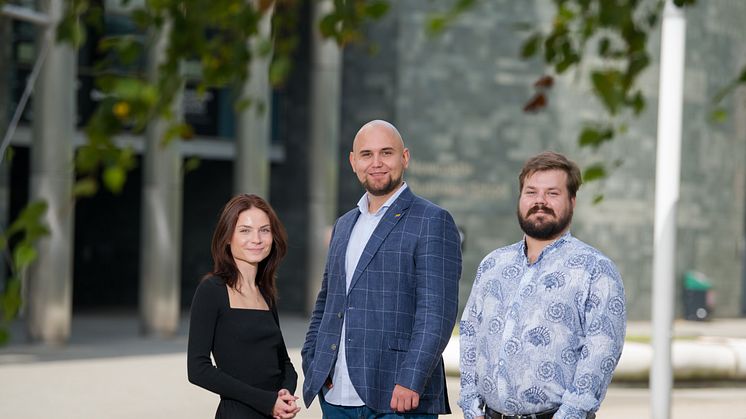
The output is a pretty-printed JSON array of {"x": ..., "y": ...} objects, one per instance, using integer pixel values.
[{"x": 389, "y": 297}]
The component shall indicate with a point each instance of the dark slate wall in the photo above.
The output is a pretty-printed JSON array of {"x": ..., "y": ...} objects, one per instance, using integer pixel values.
[
  {"x": 369, "y": 90},
  {"x": 289, "y": 191}
]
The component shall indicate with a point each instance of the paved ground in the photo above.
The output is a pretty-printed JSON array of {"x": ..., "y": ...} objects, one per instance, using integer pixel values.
[{"x": 109, "y": 371}]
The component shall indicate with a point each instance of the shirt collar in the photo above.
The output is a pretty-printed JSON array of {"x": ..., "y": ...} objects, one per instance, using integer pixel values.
[
  {"x": 362, "y": 204},
  {"x": 564, "y": 238}
]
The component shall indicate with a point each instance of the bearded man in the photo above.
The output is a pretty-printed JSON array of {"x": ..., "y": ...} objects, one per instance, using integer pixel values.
[
  {"x": 543, "y": 329},
  {"x": 389, "y": 298}
]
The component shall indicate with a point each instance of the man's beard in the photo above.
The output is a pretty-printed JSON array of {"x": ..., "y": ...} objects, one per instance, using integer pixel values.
[
  {"x": 384, "y": 189},
  {"x": 546, "y": 230}
]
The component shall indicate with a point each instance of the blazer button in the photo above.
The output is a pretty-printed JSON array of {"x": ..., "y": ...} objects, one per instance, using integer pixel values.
[
  {"x": 339, "y": 314},
  {"x": 334, "y": 346}
]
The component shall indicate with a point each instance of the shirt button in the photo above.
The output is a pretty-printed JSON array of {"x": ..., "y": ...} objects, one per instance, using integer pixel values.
[{"x": 334, "y": 346}]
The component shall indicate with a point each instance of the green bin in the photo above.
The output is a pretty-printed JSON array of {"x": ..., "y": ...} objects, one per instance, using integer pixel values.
[{"x": 698, "y": 296}]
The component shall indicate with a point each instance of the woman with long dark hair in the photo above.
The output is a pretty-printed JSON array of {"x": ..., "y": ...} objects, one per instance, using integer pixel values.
[{"x": 234, "y": 317}]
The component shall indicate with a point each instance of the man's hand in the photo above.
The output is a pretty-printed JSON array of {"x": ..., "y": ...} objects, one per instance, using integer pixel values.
[
  {"x": 404, "y": 399},
  {"x": 328, "y": 383}
]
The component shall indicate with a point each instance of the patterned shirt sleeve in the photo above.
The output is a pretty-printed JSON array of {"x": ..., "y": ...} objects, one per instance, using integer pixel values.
[
  {"x": 604, "y": 329},
  {"x": 471, "y": 402}
]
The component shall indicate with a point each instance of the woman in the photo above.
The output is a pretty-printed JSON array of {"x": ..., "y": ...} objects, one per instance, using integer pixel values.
[{"x": 234, "y": 317}]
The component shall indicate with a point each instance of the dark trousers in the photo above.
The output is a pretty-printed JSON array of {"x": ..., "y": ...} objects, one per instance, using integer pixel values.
[{"x": 332, "y": 411}]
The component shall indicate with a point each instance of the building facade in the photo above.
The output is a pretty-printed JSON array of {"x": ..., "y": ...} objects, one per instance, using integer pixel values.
[{"x": 457, "y": 100}]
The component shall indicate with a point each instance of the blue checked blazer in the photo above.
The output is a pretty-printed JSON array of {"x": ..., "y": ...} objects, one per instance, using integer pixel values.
[{"x": 400, "y": 309}]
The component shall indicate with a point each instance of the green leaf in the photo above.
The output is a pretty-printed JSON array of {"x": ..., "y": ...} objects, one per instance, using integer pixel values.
[
  {"x": 23, "y": 254},
  {"x": 264, "y": 47},
  {"x": 531, "y": 45},
  {"x": 86, "y": 159},
  {"x": 142, "y": 18},
  {"x": 638, "y": 103},
  {"x": 683, "y": 3},
  {"x": 85, "y": 187},
  {"x": 11, "y": 298},
  {"x": 192, "y": 164},
  {"x": 598, "y": 198},
  {"x": 565, "y": 15},
  {"x": 13, "y": 286},
  {"x": 593, "y": 137},
  {"x": 604, "y": 46},
  {"x": 71, "y": 30},
  {"x": 114, "y": 178},
  {"x": 594, "y": 172},
  {"x": 328, "y": 25},
  {"x": 436, "y": 24},
  {"x": 29, "y": 218},
  {"x": 568, "y": 60},
  {"x": 128, "y": 88},
  {"x": 377, "y": 9},
  {"x": 637, "y": 63},
  {"x": 243, "y": 104},
  {"x": 279, "y": 70},
  {"x": 719, "y": 115},
  {"x": 129, "y": 50},
  {"x": 609, "y": 87},
  {"x": 742, "y": 77}
]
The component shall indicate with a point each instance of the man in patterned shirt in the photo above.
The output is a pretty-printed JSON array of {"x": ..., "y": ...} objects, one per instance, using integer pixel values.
[{"x": 544, "y": 326}]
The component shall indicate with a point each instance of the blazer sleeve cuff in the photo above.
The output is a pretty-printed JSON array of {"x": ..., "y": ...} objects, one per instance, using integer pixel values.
[{"x": 412, "y": 382}]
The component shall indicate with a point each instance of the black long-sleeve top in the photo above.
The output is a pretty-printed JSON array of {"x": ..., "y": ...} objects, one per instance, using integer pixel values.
[{"x": 252, "y": 363}]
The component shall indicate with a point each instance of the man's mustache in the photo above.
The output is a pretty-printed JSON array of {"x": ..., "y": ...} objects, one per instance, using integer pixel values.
[{"x": 537, "y": 208}]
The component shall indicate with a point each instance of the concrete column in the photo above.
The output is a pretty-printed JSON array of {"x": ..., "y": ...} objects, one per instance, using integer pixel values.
[
  {"x": 5, "y": 63},
  {"x": 739, "y": 120},
  {"x": 326, "y": 76},
  {"x": 251, "y": 165},
  {"x": 48, "y": 289},
  {"x": 160, "y": 267}
]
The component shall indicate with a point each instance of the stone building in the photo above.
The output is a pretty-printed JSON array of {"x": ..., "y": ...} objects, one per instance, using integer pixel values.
[{"x": 457, "y": 99}]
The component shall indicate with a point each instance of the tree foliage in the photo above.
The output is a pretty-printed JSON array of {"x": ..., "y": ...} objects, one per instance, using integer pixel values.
[
  {"x": 17, "y": 245},
  {"x": 615, "y": 31},
  {"x": 215, "y": 39}
]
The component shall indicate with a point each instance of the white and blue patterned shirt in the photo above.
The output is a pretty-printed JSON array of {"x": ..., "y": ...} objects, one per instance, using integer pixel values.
[{"x": 543, "y": 335}]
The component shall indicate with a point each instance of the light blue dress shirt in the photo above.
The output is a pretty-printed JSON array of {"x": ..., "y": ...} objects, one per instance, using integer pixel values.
[
  {"x": 343, "y": 392},
  {"x": 543, "y": 335}
]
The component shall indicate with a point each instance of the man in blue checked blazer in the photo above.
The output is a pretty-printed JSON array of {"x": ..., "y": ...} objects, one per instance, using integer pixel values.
[{"x": 389, "y": 297}]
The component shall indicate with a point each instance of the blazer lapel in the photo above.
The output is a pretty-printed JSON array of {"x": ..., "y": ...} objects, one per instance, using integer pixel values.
[
  {"x": 345, "y": 225},
  {"x": 395, "y": 213}
]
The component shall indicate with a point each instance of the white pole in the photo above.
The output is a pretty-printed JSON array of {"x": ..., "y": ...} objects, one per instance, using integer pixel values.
[{"x": 668, "y": 162}]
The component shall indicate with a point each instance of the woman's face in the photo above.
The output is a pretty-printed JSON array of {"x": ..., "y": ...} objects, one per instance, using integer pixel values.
[{"x": 252, "y": 238}]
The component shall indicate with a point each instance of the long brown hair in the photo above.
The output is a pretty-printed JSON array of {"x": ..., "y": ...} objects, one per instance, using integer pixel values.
[{"x": 223, "y": 264}]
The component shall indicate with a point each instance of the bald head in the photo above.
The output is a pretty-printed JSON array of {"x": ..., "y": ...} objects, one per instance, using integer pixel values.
[{"x": 378, "y": 126}]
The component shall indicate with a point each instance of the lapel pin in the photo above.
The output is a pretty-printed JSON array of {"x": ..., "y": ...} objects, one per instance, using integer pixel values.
[{"x": 397, "y": 215}]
